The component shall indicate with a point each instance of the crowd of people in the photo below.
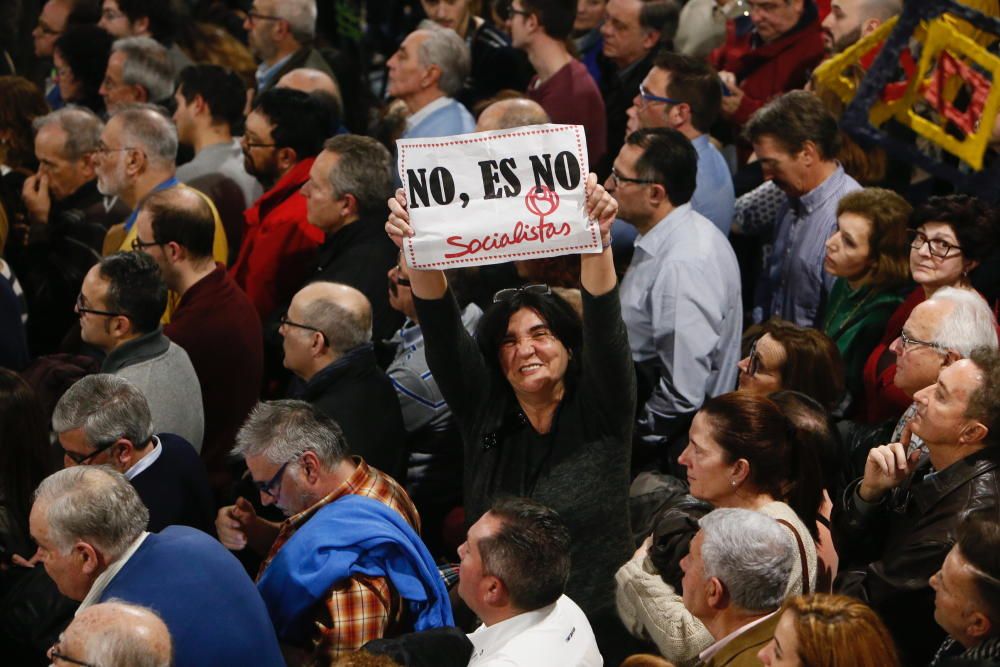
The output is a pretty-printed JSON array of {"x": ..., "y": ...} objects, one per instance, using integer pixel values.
[{"x": 760, "y": 425}]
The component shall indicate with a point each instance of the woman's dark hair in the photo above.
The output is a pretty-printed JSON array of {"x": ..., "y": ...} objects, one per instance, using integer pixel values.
[
  {"x": 24, "y": 445},
  {"x": 974, "y": 222},
  {"x": 555, "y": 312},
  {"x": 813, "y": 364},
  {"x": 755, "y": 429},
  {"x": 21, "y": 102},
  {"x": 86, "y": 49},
  {"x": 815, "y": 429}
]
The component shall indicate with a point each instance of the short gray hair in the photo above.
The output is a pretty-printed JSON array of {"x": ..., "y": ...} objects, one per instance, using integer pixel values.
[
  {"x": 882, "y": 10},
  {"x": 282, "y": 431},
  {"x": 81, "y": 125},
  {"x": 94, "y": 504},
  {"x": 147, "y": 64},
  {"x": 751, "y": 554},
  {"x": 344, "y": 328},
  {"x": 364, "y": 169},
  {"x": 147, "y": 126},
  {"x": 121, "y": 643},
  {"x": 106, "y": 407},
  {"x": 444, "y": 48},
  {"x": 969, "y": 325},
  {"x": 301, "y": 17}
]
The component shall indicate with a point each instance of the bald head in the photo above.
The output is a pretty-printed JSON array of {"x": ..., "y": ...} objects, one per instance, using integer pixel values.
[
  {"x": 507, "y": 114},
  {"x": 341, "y": 312},
  {"x": 309, "y": 80},
  {"x": 181, "y": 216},
  {"x": 116, "y": 634}
]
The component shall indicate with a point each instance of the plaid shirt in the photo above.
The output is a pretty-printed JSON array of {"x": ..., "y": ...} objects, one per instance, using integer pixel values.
[{"x": 361, "y": 608}]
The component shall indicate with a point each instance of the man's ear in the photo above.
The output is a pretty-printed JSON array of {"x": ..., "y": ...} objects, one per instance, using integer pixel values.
[
  {"x": 287, "y": 158},
  {"x": 494, "y": 592},
  {"x": 869, "y": 26},
  {"x": 123, "y": 451},
  {"x": 650, "y": 38},
  {"x": 89, "y": 558},
  {"x": 715, "y": 593},
  {"x": 140, "y": 25},
  {"x": 810, "y": 152},
  {"x": 310, "y": 465},
  {"x": 973, "y": 433},
  {"x": 430, "y": 77},
  {"x": 978, "y": 625}
]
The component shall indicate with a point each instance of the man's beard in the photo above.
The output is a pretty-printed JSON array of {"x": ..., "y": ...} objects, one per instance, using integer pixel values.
[
  {"x": 113, "y": 184},
  {"x": 847, "y": 41}
]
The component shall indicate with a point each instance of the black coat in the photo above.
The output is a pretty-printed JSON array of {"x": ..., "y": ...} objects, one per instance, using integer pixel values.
[{"x": 888, "y": 554}]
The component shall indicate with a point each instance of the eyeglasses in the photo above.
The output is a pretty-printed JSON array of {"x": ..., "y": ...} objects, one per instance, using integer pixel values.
[
  {"x": 511, "y": 292},
  {"x": 47, "y": 30},
  {"x": 111, "y": 15},
  {"x": 400, "y": 280},
  {"x": 266, "y": 487},
  {"x": 754, "y": 364},
  {"x": 82, "y": 309},
  {"x": 102, "y": 149},
  {"x": 763, "y": 7},
  {"x": 506, "y": 11},
  {"x": 647, "y": 96},
  {"x": 56, "y": 655},
  {"x": 288, "y": 323},
  {"x": 254, "y": 16},
  {"x": 938, "y": 247},
  {"x": 138, "y": 245},
  {"x": 911, "y": 342},
  {"x": 252, "y": 144},
  {"x": 617, "y": 179},
  {"x": 81, "y": 459}
]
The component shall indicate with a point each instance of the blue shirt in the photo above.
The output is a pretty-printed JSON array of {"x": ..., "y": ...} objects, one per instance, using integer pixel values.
[
  {"x": 682, "y": 307},
  {"x": 794, "y": 283},
  {"x": 264, "y": 73},
  {"x": 713, "y": 196}
]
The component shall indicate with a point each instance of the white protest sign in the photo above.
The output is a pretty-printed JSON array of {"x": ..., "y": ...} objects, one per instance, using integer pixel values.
[{"x": 490, "y": 197}]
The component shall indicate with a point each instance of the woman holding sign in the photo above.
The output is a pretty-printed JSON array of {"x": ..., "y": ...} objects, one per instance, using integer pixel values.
[{"x": 544, "y": 404}]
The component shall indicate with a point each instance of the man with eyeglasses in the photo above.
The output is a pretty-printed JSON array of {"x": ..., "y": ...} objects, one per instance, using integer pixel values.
[
  {"x": 145, "y": 18},
  {"x": 894, "y": 526},
  {"x": 114, "y": 634},
  {"x": 120, "y": 305},
  {"x": 562, "y": 84},
  {"x": 214, "y": 321},
  {"x": 52, "y": 23},
  {"x": 105, "y": 420},
  {"x": 91, "y": 530},
  {"x": 284, "y": 133},
  {"x": 138, "y": 71},
  {"x": 680, "y": 296},
  {"x": 683, "y": 93},
  {"x": 327, "y": 344},
  {"x": 280, "y": 35},
  {"x": 777, "y": 55},
  {"x": 325, "y": 576}
]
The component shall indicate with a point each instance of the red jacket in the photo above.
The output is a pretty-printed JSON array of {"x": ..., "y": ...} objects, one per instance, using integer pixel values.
[
  {"x": 279, "y": 245},
  {"x": 770, "y": 69}
]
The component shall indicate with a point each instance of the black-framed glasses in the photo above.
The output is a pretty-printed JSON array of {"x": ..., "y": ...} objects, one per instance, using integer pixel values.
[
  {"x": 505, "y": 10},
  {"x": 938, "y": 247},
  {"x": 399, "y": 278},
  {"x": 647, "y": 96},
  {"x": 56, "y": 655},
  {"x": 81, "y": 308},
  {"x": 138, "y": 245},
  {"x": 269, "y": 486},
  {"x": 510, "y": 292},
  {"x": 289, "y": 323},
  {"x": 912, "y": 342},
  {"x": 254, "y": 16},
  {"x": 617, "y": 179},
  {"x": 81, "y": 459},
  {"x": 754, "y": 365},
  {"x": 102, "y": 149},
  {"x": 255, "y": 144}
]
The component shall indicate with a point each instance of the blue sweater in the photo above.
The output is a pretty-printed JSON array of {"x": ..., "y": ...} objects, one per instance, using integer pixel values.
[{"x": 203, "y": 594}]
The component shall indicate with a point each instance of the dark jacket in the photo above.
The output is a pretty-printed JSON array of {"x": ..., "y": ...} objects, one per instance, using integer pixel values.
[
  {"x": 619, "y": 89},
  {"x": 356, "y": 393},
  {"x": 175, "y": 488},
  {"x": 307, "y": 57},
  {"x": 888, "y": 553}
]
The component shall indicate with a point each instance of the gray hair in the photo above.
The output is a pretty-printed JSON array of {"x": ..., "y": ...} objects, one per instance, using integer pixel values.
[
  {"x": 882, "y": 10},
  {"x": 344, "y": 328},
  {"x": 282, "y": 431},
  {"x": 751, "y": 554},
  {"x": 147, "y": 126},
  {"x": 120, "y": 641},
  {"x": 364, "y": 169},
  {"x": 969, "y": 325},
  {"x": 81, "y": 125},
  {"x": 94, "y": 504},
  {"x": 107, "y": 407},
  {"x": 147, "y": 64},
  {"x": 301, "y": 17},
  {"x": 444, "y": 48}
]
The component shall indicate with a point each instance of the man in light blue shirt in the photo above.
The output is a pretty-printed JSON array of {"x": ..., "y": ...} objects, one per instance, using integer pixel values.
[
  {"x": 684, "y": 93},
  {"x": 681, "y": 294},
  {"x": 796, "y": 140}
]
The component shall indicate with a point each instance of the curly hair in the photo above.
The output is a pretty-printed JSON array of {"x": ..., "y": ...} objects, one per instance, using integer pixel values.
[
  {"x": 973, "y": 221},
  {"x": 21, "y": 102}
]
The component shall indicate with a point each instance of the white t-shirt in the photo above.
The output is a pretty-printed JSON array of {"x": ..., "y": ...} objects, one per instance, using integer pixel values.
[{"x": 558, "y": 634}]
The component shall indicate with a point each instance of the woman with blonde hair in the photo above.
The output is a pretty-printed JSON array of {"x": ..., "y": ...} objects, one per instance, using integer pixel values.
[{"x": 824, "y": 630}]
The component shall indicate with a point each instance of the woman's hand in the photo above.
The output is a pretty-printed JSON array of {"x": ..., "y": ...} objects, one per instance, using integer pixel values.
[
  {"x": 601, "y": 206},
  {"x": 398, "y": 224}
]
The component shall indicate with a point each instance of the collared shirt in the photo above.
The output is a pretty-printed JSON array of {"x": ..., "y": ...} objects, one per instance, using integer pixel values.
[
  {"x": 417, "y": 117},
  {"x": 224, "y": 159},
  {"x": 557, "y": 633},
  {"x": 710, "y": 652},
  {"x": 361, "y": 608},
  {"x": 146, "y": 461},
  {"x": 794, "y": 282},
  {"x": 713, "y": 196},
  {"x": 104, "y": 578},
  {"x": 264, "y": 73},
  {"x": 681, "y": 303}
]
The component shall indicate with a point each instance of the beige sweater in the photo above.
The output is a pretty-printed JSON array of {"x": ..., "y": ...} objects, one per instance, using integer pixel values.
[{"x": 651, "y": 609}]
